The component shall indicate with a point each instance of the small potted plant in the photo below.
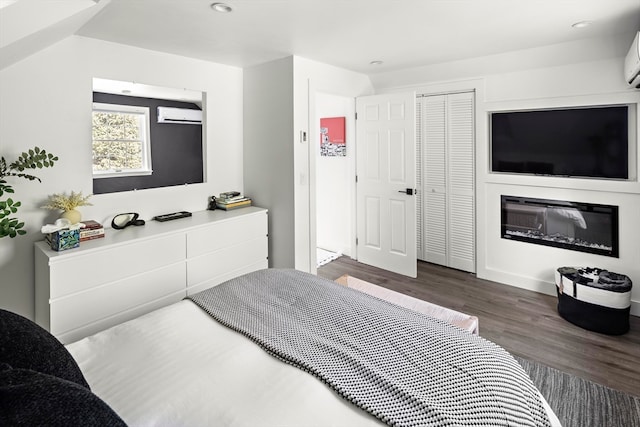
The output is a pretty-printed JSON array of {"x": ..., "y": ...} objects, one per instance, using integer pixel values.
[{"x": 68, "y": 204}]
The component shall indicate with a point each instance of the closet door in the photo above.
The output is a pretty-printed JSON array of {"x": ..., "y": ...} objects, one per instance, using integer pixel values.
[
  {"x": 448, "y": 208},
  {"x": 460, "y": 188},
  {"x": 434, "y": 174}
]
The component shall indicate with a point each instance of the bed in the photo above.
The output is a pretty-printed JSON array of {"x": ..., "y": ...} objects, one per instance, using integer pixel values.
[{"x": 286, "y": 348}]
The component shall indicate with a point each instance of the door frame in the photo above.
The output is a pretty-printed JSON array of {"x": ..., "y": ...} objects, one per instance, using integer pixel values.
[
  {"x": 314, "y": 130},
  {"x": 350, "y": 135}
]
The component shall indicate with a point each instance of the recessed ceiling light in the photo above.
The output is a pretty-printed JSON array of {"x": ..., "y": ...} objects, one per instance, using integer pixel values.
[
  {"x": 221, "y": 7},
  {"x": 376, "y": 62},
  {"x": 582, "y": 24}
]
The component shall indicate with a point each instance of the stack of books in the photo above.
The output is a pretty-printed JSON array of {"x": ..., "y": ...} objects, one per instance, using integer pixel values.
[
  {"x": 232, "y": 200},
  {"x": 92, "y": 230}
]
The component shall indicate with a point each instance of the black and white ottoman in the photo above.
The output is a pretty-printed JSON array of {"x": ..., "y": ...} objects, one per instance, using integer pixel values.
[{"x": 594, "y": 299}]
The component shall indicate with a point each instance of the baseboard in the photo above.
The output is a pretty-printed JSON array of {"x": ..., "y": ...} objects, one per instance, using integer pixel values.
[
  {"x": 635, "y": 308},
  {"x": 532, "y": 284},
  {"x": 518, "y": 281}
]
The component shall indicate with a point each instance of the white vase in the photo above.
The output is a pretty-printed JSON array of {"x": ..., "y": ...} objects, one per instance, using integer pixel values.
[{"x": 72, "y": 215}]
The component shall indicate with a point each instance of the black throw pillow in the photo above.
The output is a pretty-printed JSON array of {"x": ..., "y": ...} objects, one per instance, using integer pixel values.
[
  {"x": 26, "y": 345},
  {"x": 29, "y": 398}
]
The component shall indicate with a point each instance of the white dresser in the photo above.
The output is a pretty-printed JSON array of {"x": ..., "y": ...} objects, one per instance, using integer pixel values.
[{"x": 136, "y": 270}]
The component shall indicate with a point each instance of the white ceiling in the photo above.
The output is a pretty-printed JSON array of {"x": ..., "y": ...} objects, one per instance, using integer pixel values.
[{"x": 352, "y": 33}]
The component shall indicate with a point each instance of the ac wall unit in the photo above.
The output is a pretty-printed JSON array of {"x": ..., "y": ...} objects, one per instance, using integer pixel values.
[
  {"x": 179, "y": 115},
  {"x": 632, "y": 63}
]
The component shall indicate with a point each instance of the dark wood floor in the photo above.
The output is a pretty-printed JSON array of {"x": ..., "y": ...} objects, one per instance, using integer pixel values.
[{"x": 525, "y": 323}]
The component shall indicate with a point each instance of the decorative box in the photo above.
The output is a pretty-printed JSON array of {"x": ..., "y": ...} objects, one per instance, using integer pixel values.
[{"x": 64, "y": 239}]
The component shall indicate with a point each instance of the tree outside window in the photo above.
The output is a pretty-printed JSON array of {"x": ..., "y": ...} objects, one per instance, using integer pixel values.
[{"x": 121, "y": 144}]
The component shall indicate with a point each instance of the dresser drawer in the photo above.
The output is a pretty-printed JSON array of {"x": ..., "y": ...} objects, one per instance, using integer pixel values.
[
  {"x": 226, "y": 233},
  {"x": 214, "y": 281},
  {"x": 68, "y": 276},
  {"x": 225, "y": 260},
  {"x": 73, "y": 311},
  {"x": 102, "y": 324}
]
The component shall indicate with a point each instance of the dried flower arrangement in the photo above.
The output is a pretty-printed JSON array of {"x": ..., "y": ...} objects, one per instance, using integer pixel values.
[{"x": 67, "y": 202}]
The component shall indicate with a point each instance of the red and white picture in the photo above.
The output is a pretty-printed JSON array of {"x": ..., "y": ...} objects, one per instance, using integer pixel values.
[{"x": 332, "y": 137}]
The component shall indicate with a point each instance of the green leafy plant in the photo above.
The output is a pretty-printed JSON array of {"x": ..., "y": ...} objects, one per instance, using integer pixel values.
[
  {"x": 67, "y": 202},
  {"x": 34, "y": 158}
]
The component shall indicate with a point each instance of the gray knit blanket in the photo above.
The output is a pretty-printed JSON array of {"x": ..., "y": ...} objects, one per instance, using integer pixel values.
[{"x": 404, "y": 367}]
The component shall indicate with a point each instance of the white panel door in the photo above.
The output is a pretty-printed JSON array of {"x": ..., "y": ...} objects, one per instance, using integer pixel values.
[{"x": 385, "y": 168}]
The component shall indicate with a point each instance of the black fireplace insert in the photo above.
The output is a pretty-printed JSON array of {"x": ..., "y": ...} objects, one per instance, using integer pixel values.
[{"x": 576, "y": 226}]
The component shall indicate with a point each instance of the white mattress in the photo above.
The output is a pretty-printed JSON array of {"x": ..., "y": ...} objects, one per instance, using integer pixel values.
[{"x": 177, "y": 366}]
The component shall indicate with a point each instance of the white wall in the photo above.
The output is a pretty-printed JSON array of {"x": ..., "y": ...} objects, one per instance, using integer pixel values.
[
  {"x": 544, "y": 57},
  {"x": 46, "y": 101},
  {"x": 334, "y": 178},
  {"x": 557, "y": 80},
  {"x": 268, "y": 154}
]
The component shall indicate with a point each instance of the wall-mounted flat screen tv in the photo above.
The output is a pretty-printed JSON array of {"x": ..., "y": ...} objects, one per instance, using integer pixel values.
[{"x": 570, "y": 142}]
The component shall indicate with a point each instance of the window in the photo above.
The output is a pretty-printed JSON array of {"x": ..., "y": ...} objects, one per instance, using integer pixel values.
[{"x": 121, "y": 145}]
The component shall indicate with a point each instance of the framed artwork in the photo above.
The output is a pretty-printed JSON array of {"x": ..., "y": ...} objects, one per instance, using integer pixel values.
[{"x": 332, "y": 137}]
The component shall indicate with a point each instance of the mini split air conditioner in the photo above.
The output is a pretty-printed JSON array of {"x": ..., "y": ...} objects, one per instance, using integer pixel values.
[
  {"x": 179, "y": 115},
  {"x": 632, "y": 63}
]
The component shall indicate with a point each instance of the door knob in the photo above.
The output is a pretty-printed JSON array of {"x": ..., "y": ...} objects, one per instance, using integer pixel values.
[{"x": 408, "y": 191}]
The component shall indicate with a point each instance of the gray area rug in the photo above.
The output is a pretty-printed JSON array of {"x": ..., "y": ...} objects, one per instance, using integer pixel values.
[{"x": 581, "y": 403}]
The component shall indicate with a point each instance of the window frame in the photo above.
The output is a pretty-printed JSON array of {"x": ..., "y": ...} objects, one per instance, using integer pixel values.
[{"x": 145, "y": 130}]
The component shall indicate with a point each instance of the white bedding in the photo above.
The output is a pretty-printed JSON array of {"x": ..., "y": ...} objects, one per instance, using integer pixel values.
[{"x": 142, "y": 368}]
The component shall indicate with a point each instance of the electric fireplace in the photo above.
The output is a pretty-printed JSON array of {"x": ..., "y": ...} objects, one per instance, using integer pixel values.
[{"x": 576, "y": 226}]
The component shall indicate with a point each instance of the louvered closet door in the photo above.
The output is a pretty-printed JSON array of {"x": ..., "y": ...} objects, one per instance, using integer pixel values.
[
  {"x": 460, "y": 151},
  {"x": 434, "y": 213},
  {"x": 448, "y": 209}
]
